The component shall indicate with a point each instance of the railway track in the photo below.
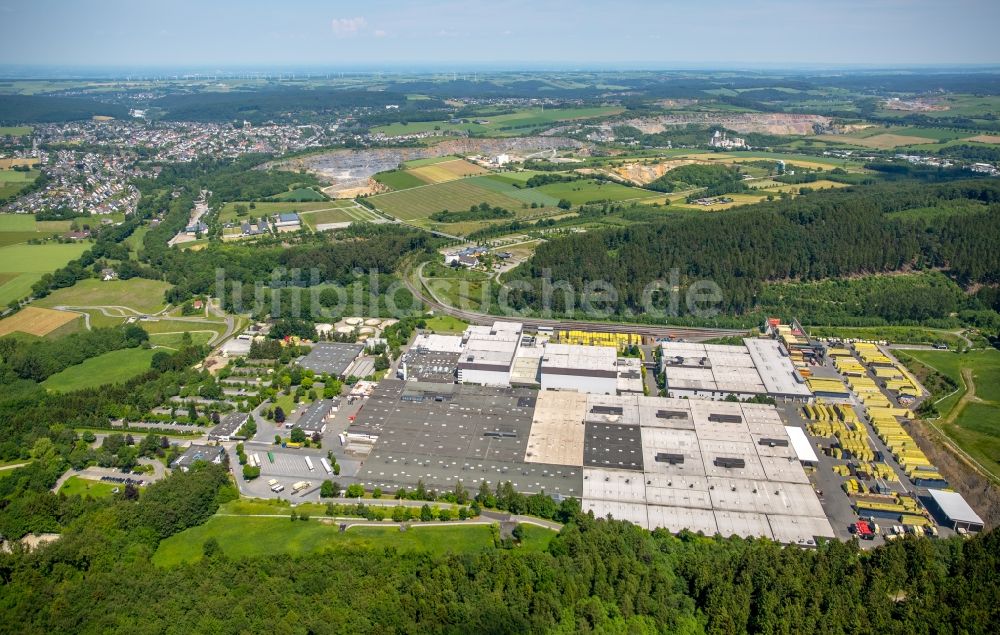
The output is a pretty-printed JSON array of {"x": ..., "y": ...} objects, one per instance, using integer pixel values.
[{"x": 647, "y": 330}]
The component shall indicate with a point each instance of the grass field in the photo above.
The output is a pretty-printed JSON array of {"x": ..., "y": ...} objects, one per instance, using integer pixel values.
[
  {"x": 29, "y": 262},
  {"x": 883, "y": 141},
  {"x": 267, "y": 208},
  {"x": 248, "y": 536},
  {"x": 972, "y": 422},
  {"x": 17, "y": 222},
  {"x": 109, "y": 368},
  {"x": 174, "y": 340},
  {"x": 15, "y": 131},
  {"x": 519, "y": 122},
  {"x": 399, "y": 179},
  {"x": 76, "y": 486},
  {"x": 581, "y": 192},
  {"x": 986, "y": 138},
  {"x": 145, "y": 296},
  {"x": 346, "y": 214},
  {"x": 180, "y": 326},
  {"x": 421, "y": 202},
  {"x": 300, "y": 194},
  {"x": 446, "y": 324},
  {"x": 37, "y": 321}
]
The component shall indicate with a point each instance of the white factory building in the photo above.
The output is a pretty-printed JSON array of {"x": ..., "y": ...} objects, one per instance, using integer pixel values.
[
  {"x": 589, "y": 369},
  {"x": 488, "y": 353},
  {"x": 713, "y": 371}
]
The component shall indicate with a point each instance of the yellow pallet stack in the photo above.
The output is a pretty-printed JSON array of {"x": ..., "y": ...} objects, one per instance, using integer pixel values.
[
  {"x": 871, "y": 355},
  {"x": 598, "y": 338},
  {"x": 833, "y": 386},
  {"x": 884, "y": 472}
]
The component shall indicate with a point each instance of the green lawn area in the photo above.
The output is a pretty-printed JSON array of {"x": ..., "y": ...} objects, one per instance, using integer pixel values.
[
  {"x": 15, "y": 286},
  {"x": 16, "y": 131},
  {"x": 76, "y": 486},
  {"x": 399, "y": 179},
  {"x": 173, "y": 340},
  {"x": 977, "y": 428},
  {"x": 446, "y": 324},
  {"x": 39, "y": 258},
  {"x": 248, "y": 536},
  {"x": 419, "y": 203},
  {"x": 581, "y": 192},
  {"x": 134, "y": 242},
  {"x": 269, "y": 208},
  {"x": 22, "y": 265},
  {"x": 338, "y": 215},
  {"x": 109, "y": 368},
  {"x": 519, "y": 122},
  {"x": 16, "y": 222},
  {"x": 145, "y": 296},
  {"x": 300, "y": 194}
]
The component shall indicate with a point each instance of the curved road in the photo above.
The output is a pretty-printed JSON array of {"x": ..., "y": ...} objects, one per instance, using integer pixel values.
[{"x": 651, "y": 330}]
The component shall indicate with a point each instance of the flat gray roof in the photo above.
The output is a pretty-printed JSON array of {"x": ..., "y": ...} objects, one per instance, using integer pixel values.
[
  {"x": 313, "y": 419},
  {"x": 229, "y": 425},
  {"x": 955, "y": 507},
  {"x": 331, "y": 357}
]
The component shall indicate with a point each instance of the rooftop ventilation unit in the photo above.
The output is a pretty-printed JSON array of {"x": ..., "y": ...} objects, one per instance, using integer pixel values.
[
  {"x": 672, "y": 459},
  {"x": 729, "y": 462},
  {"x": 719, "y": 418}
]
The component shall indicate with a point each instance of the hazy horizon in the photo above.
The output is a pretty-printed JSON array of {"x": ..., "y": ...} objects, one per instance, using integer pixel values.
[{"x": 510, "y": 35}]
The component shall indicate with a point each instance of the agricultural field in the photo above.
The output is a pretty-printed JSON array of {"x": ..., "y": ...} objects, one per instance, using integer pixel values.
[
  {"x": 174, "y": 340},
  {"x": 22, "y": 265},
  {"x": 416, "y": 163},
  {"x": 447, "y": 171},
  {"x": 346, "y": 214},
  {"x": 12, "y": 182},
  {"x": 589, "y": 191},
  {"x": 109, "y": 368},
  {"x": 39, "y": 322},
  {"x": 419, "y": 203},
  {"x": 268, "y": 208},
  {"x": 972, "y": 417},
  {"x": 248, "y": 536},
  {"x": 144, "y": 296},
  {"x": 811, "y": 162},
  {"x": 737, "y": 199},
  {"x": 399, "y": 179},
  {"x": 986, "y": 138},
  {"x": 20, "y": 228},
  {"x": 76, "y": 486},
  {"x": 516, "y": 123},
  {"x": 304, "y": 194}
]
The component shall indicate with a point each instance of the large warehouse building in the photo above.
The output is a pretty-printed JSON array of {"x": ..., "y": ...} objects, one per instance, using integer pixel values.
[
  {"x": 713, "y": 371},
  {"x": 709, "y": 466}
]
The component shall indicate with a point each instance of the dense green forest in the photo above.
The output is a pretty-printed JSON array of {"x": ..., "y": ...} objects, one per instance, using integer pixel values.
[
  {"x": 483, "y": 211},
  {"x": 823, "y": 235},
  {"x": 597, "y": 575},
  {"x": 717, "y": 179}
]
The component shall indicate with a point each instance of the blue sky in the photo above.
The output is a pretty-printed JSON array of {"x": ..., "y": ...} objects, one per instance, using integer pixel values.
[{"x": 512, "y": 33}]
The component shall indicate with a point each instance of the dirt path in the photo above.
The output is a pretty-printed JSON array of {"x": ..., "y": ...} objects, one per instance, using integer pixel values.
[{"x": 968, "y": 396}]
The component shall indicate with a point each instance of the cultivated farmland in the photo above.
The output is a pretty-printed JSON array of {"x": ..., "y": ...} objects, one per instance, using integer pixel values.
[
  {"x": 421, "y": 202},
  {"x": 447, "y": 171},
  {"x": 36, "y": 321},
  {"x": 22, "y": 265}
]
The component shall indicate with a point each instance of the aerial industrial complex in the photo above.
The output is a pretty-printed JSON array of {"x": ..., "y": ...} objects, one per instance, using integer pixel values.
[{"x": 781, "y": 435}]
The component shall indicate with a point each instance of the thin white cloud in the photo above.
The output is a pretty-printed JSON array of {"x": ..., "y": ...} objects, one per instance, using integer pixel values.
[
  {"x": 380, "y": 33},
  {"x": 346, "y": 27}
]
